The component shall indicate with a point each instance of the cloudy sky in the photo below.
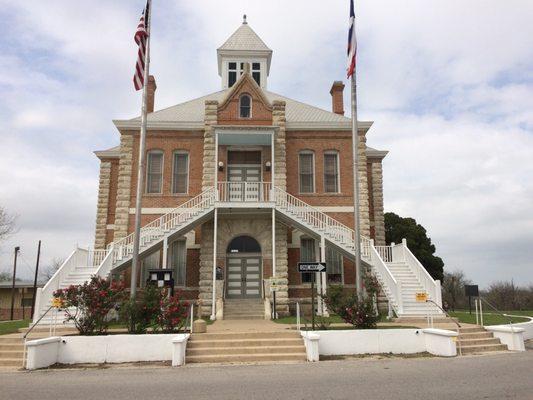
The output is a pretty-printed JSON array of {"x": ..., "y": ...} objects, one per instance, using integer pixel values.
[{"x": 449, "y": 85}]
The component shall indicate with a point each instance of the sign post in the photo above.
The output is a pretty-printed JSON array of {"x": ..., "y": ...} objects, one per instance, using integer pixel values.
[
  {"x": 312, "y": 267},
  {"x": 274, "y": 287},
  {"x": 471, "y": 291}
]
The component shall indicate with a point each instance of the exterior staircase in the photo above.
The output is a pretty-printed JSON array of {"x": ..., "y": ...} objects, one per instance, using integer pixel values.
[
  {"x": 245, "y": 347},
  {"x": 244, "y": 309},
  {"x": 397, "y": 270},
  {"x": 474, "y": 340}
]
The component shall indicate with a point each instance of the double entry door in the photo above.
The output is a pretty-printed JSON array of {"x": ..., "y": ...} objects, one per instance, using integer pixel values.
[
  {"x": 243, "y": 277},
  {"x": 244, "y": 183}
]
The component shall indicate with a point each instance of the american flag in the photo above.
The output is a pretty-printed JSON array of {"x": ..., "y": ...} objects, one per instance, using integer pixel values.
[
  {"x": 141, "y": 37},
  {"x": 352, "y": 43}
]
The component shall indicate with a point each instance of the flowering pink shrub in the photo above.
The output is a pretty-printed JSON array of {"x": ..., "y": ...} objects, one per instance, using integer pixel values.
[
  {"x": 92, "y": 302},
  {"x": 173, "y": 314}
]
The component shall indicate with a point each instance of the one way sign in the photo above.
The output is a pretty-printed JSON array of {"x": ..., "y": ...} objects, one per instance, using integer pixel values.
[{"x": 312, "y": 267}]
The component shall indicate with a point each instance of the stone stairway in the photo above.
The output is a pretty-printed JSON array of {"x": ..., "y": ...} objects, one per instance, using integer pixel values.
[
  {"x": 476, "y": 339},
  {"x": 245, "y": 347},
  {"x": 244, "y": 309}
]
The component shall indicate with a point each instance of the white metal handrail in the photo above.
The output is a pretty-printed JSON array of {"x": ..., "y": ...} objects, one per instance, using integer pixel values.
[
  {"x": 243, "y": 191},
  {"x": 331, "y": 228},
  {"x": 429, "y": 284},
  {"x": 164, "y": 224}
]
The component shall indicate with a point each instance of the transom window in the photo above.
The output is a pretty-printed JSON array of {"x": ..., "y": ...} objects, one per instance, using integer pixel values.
[
  {"x": 306, "y": 165},
  {"x": 331, "y": 172},
  {"x": 154, "y": 171},
  {"x": 180, "y": 173},
  {"x": 245, "y": 106},
  {"x": 244, "y": 244}
]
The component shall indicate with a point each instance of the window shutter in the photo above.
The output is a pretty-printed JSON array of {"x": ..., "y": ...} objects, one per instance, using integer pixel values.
[{"x": 155, "y": 172}]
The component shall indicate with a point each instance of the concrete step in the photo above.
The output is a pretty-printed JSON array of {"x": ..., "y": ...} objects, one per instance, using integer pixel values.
[
  {"x": 476, "y": 335},
  {"x": 260, "y": 357},
  {"x": 483, "y": 348},
  {"x": 11, "y": 362},
  {"x": 243, "y": 316},
  {"x": 11, "y": 347},
  {"x": 198, "y": 344},
  {"x": 211, "y": 351},
  {"x": 10, "y": 340},
  {"x": 472, "y": 329},
  {"x": 245, "y": 336},
  {"x": 11, "y": 354},
  {"x": 479, "y": 341}
]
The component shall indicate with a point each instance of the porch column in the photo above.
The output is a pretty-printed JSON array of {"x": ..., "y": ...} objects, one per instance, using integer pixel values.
[
  {"x": 214, "y": 297},
  {"x": 272, "y": 166},
  {"x": 165, "y": 252},
  {"x": 273, "y": 242},
  {"x": 323, "y": 276},
  {"x": 216, "y": 166}
]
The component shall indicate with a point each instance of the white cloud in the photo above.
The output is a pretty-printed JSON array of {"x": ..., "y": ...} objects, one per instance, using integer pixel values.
[{"x": 448, "y": 83}]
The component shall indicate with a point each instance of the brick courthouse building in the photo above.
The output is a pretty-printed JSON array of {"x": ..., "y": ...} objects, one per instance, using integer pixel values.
[{"x": 230, "y": 134}]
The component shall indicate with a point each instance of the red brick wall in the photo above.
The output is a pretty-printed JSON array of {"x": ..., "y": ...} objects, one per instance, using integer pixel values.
[{"x": 228, "y": 112}]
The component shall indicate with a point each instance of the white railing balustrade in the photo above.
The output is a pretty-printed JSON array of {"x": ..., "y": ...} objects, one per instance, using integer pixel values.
[
  {"x": 385, "y": 252},
  {"x": 96, "y": 257},
  {"x": 242, "y": 192},
  {"x": 387, "y": 281}
]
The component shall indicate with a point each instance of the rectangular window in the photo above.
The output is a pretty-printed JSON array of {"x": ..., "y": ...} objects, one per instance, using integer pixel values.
[
  {"x": 232, "y": 73},
  {"x": 178, "y": 261},
  {"x": 149, "y": 262},
  {"x": 307, "y": 254},
  {"x": 334, "y": 263},
  {"x": 307, "y": 172},
  {"x": 180, "y": 178},
  {"x": 154, "y": 172},
  {"x": 331, "y": 172},
  {"x": 256, "y": 72}
]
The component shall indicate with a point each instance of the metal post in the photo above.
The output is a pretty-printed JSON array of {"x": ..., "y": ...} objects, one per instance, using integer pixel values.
[
  {"x": 323, "y": 276},
  {"x": 35, "y": 279},
  {"x": 274, "y": 242},
  {"x": 165, "y": 252},
  {"x": 318, "y": 281},
  {"x": 481, "y": 312},
  {"x": 213, "y": 299},
  {"x": 313, "y": 277},
  {"x": 355, "y": 155},
  {"x": 272, "y": 164},
  {"x": 142, "y": 161},
  {"x": 13, "y": 283},
  {"x": 477, "y": 311}
]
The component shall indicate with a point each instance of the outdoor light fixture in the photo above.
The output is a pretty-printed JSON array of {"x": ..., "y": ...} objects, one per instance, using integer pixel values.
[
  {"x": 220, "y": 166},
  {"x": 267, "y": 166}
]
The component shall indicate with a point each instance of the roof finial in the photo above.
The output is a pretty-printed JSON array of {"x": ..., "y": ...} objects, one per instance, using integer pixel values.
[{"x": 244, "y": 19}]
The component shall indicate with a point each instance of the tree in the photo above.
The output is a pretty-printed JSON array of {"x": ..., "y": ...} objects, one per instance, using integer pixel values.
[
  {"x": 398, "y": 228},
  {"x": 7, "y": 224},
  {"x": 5, "y": 276},
  {"x": 50, "y": 270},
  {"x": 453, "y": 289}
]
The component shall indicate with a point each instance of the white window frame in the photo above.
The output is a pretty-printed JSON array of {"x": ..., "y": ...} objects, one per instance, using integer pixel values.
[
  {"x": 337, "y": 154},
  {"x": 185, "y": 152},
  {"x": 147, "y": 173},
  {"x": 342, "y": 265},
  {"x": 313, "y": 169},
  {"x": 251, "y": 102},
  {"x": 310, "y": 274}
]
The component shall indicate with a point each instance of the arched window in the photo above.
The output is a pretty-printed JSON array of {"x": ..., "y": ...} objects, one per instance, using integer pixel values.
[
  {"x": 244, "y": 244},
  {"x": 245, "y": 106}
]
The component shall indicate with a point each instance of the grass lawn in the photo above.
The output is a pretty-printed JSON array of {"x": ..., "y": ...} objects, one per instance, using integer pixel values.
[
  {"x": 490, "y": 318},
  {"x": 332, "y": 319},
  {"x": 13, "y": 326}
]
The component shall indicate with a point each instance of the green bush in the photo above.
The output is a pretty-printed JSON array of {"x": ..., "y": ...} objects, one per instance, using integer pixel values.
[{"x": 141, "y": 313}]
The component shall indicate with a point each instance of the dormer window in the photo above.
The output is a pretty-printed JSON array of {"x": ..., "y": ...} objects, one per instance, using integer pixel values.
[{"x": 245, "y": 106}]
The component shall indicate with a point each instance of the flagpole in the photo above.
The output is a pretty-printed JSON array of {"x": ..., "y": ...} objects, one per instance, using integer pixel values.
[
  {"x": 355, "y": 153},
  {"x": 142, "y": 161}
]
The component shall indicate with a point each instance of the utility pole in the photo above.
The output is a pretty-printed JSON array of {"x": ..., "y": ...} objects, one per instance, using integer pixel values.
[
  {"x": 35, "y": 280},
  {"x": 13, "y": 284}
]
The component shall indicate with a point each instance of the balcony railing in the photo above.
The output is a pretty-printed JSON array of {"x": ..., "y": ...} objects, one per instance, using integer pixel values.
[{"x": 244, "y": 192}]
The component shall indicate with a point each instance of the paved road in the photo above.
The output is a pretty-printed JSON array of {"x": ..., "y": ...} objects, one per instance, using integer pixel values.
[{"x": 500, "y": 376}]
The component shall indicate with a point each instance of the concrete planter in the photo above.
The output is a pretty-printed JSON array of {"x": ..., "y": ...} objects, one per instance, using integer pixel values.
[{"x": 107, "y": 349}]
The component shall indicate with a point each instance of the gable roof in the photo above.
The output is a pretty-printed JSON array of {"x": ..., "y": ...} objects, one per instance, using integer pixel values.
[
  {"x": 190, "y": 115},
  {"x": 245, "y": 78}
]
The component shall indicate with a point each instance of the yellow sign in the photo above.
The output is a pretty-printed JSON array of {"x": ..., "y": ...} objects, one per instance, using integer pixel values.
[
  {"x": 57, "y": 302},
  {"x": 421, "y": 297}
]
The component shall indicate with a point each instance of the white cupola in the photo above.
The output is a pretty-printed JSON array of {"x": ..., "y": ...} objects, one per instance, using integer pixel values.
[{"x": 244, "y": 46}]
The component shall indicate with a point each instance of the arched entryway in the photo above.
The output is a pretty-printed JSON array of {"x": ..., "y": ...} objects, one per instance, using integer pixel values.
[{"x": 243, "y": 268}]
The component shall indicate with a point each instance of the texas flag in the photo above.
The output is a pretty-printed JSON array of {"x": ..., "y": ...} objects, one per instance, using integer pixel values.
[{"x": 352, "y": 43}]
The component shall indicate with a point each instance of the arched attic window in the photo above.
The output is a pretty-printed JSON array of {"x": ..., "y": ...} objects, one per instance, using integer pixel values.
[
  {"x": 244, "y": 244},
  {"x": 245, "y": 106}
]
